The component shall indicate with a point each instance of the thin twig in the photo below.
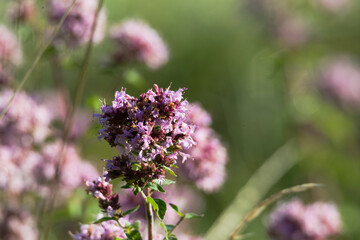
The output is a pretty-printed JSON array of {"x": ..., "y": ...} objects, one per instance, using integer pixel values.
[
  {"x": 176, "y": 225},
  {"x": 262, "y": 206},
  {"x": 36, "y": 61}
]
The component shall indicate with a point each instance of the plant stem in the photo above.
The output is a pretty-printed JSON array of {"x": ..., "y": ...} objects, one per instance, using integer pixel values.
[
  {"x": 149, "y": 214},
  {"x": 36, "y": 61}
]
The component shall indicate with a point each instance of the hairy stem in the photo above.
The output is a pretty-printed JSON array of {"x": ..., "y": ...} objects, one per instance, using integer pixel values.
[
  {"x": 149, "y": 214},
  {"x": 36, "y": 61}
]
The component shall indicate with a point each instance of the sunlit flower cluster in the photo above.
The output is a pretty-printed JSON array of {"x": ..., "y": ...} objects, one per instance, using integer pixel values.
[{"x": 150, "y": 130}]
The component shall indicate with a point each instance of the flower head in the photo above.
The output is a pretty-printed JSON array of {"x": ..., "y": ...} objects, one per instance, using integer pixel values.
[
  {"x": 150, "y": 131},
  {"x": 295, "y": 221},
  {"x": 77, "y": 27},
  {"x": 137, "y": 40}
]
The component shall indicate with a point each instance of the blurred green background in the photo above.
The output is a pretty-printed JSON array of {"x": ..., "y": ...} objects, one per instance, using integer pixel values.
[{"x": 259, "y": 91}]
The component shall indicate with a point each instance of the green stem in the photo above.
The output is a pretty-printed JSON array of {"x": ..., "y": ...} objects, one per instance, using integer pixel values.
[{"x": 36, "y": 61}]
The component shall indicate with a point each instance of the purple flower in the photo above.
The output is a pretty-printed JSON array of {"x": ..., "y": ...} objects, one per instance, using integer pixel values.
[
  {"x": 150, "y": 131},
  {"x": 17, "y": 224},
  {"x": 77, "y": 27},
  {"x": 340, "y": 81},
  {"x": 136, "y": 40},
  {"x": 209, "y": 156},
  {"x": 295, "y": 221}
]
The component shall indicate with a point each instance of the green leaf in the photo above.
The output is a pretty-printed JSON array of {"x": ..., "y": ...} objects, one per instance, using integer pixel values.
[
  {"x": 172, "y": 237},
  {"x": 174, "y": 166},
  {"x": 104, "y": 219},
  {"x": 162, "y": 207},
  {"x": 135, "y": 166},
  {"x": 156, "y": 187},
  {"x": 136, "y": 190},
  {"x": 169, "y": 227},
  {"x": 153, "y": 203},
  {"x": 169, "y": 170},
  {"x": 127, "y": 186},
  {"x": 167, "y": 182},
  {"x": 131, "y": 210},
  {"x": 136, "y": 225},
  {"x": 176, "y": 209},
  {"x": 193, "y": 215},
  {"x": 134, "y": 235}
]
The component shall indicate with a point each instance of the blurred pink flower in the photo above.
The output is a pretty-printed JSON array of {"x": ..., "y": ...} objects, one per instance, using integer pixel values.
[
  {"x": 102, "y": 231},
  {"x": 26, "y": 123},
  {"x": 17, "y": 225},
  {"x": 77, "y": 27},
  {"x": 21, "y": 11},
  {"x": 295, "y": 221},
  {"x": 291, "y": 31},
  {"x": 10, "y": 54},
  {"x": 74, "y": 172},
  {"x": 137, "y": 40},
  {"x": 209, "y": 156},
  {"x": 334, "y": 5},
  {"x": 340, "y": 81},
  {"x": 10, "y": 49}
]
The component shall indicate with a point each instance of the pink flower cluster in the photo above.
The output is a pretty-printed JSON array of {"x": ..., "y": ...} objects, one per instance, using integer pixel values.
[
  {"x": 10, "y": 54},
  {"x": 207, "y": 168},
  {"x": 296, "y": 221},
  {"x": 77, "y": 27},
  {"x": 340, "y": 81},
  {"x": 136, "y": 40}
]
